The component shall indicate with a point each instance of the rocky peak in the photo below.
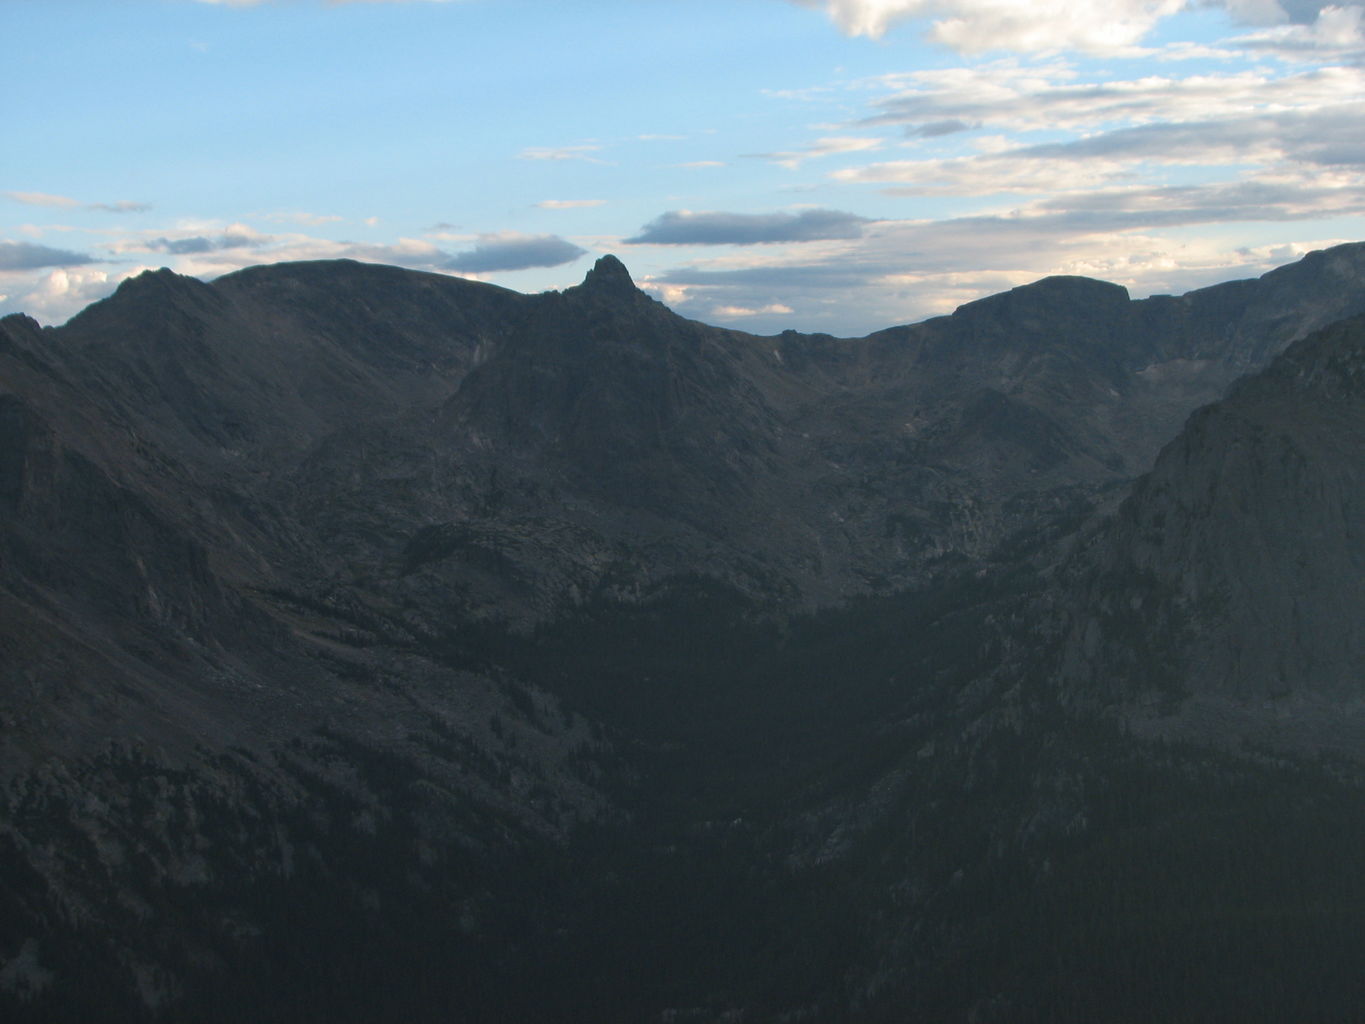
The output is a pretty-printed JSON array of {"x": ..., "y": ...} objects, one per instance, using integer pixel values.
[
  {"x": 151, "y": 281},
  {"x": 19, "y": 329},
  {"x": 609, "y": 276},
  {"x": 143, "y": 302}
]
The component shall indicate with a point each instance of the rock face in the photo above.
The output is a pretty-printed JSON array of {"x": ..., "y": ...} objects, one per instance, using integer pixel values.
[
  {"x": 1233, "y": 574},
  {"x": 347, "y": 608}
]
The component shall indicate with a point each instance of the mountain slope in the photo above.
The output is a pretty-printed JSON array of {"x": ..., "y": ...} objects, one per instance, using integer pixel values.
[
  {"x": 376, "y": 643},
  {"x": 1232, "y": 577}
]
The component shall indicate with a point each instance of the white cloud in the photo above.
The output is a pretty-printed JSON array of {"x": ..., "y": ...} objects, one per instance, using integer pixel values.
[
  {"x": 43, "y": 199},
  {"x": 990, "y": 174},
  {"x": 1047, "y": 98},
  {"x": 729, "y": 312},
  {"x": 303, "y": 217},
  {"x": 821, "y": 147},
  {"x": 67, "y": 203},
  {"x": 1042, "y": 26},
  {"x": 54, "y": 296},
  {"x": 1336, "y": 32},
  {"x": 583, "y": 151},
  {"x": 974, "y": 26}
]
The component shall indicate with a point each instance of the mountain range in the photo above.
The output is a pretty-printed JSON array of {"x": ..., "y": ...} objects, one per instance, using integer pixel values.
[{"x": 377, "y": 644}]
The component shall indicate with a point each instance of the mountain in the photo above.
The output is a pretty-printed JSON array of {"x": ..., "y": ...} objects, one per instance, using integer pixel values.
[
  {"x": 378, "y": 643},
  {"x": 1231, "y": 578}
]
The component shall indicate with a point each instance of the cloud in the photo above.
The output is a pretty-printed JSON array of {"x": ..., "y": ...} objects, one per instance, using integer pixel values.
[
  {"x": 1147, "y": 208},
  {"x": 67, "y": 203},
  {"x": 514, "y": 252},
  {"x": 579, "y": 152},
  {"x": 27, "y": 256},
  {"x": 1334, "y": 31},
  {"x": 303, "y": 217},
  {"x": 568, "y": 204},
  {"x": 937, "y": 129},
  {"x": 683, "y": 227},
  {"x": 1120, "y": 132},
  {"x": 1332, "y": 135},
  {"x": 207, "y": 251},
  {"x": 122, "y": 206},
  {"x": 991, "y": 174},
  {"x": 53, "y": 297},
  {"x": 198, "y": 244},
  {"x": 819, "y": 148},
  {"x": 43, "y": 199},
  {"x": 973, "y": 26},
  {"x": 734, "y": 312},
  {"x": 1033, "y": 98},
  {"x": 1136, "y": 235}
]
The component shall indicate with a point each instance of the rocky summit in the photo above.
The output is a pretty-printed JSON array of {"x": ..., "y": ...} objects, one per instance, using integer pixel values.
[{"x": 381, "y": 645}]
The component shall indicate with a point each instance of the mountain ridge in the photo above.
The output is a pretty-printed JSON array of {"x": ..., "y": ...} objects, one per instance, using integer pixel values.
[{"x": 541, "y": 635}]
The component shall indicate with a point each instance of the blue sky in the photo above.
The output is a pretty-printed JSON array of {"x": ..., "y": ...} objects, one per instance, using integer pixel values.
[{"x": 833, "y": 165}]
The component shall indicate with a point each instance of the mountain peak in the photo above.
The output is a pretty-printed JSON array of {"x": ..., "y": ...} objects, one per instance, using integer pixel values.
[
  {"x": 609, "y": 274},
  {"x": 161, "y": 282},
  {"x": 164, "y": 275},
  {"x": 1052, "y": 293}
]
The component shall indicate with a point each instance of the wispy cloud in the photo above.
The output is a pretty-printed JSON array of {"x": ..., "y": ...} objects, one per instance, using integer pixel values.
[
  {"x": 985, "y": 175},
  {"x": 67, "y": 203},
  {"x": 1329, "y": 137},
  {"x": 303, "y": 217},
  {"x": 122, "y": 206},
  {"x": 583, "y": 151},
  {"x": 684, "y": 227},
  {"x": 1025, "y": 98},
  {"x": 820, "y": 148},
  {"x": 734, "y": 312},
  {"x": 43, "y": 199}
]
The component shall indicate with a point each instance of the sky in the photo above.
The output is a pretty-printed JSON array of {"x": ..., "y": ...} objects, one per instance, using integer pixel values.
[{"x": 824, "y": 165}]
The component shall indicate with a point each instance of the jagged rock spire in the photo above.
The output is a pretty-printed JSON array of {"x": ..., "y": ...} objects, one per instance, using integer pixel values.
[{"x": 609, "y": 275}]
